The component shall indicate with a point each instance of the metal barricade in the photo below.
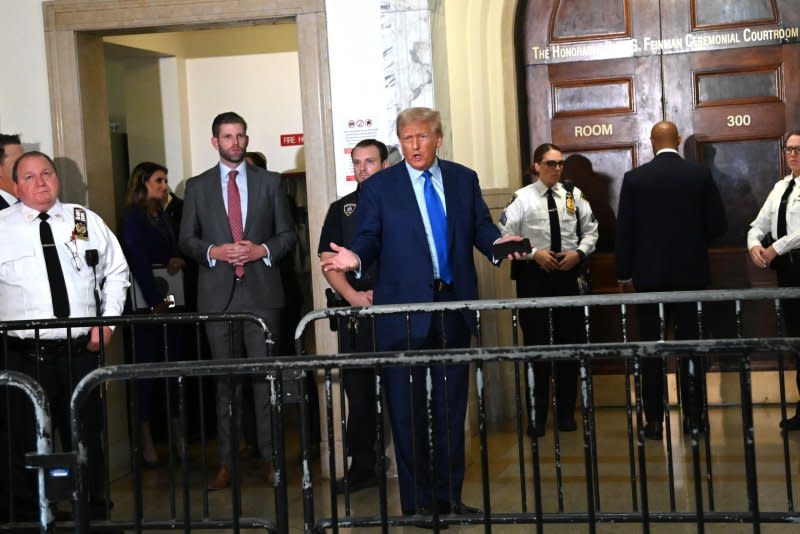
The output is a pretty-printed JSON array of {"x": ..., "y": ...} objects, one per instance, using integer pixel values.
[
  {"x": 688, "y": 480},
  {"x": 545, "y": 487},
  {"x": 182, "y": 505}
]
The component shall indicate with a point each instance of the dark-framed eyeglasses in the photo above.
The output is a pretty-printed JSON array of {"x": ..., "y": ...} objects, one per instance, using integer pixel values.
[
  {"x": 552, "y": 163},
  {"x": 794, "y": 150}
]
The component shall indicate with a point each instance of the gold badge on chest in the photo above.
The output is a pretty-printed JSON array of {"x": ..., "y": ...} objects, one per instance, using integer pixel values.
[
  {"x": 81, "y": 231},
  {"x": 570, "y": 202}
]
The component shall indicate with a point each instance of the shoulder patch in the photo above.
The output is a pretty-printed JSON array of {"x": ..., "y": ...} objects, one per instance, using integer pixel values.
[
  {"x": 349, "y": 208},
  {"x": 503, "y": 219}
]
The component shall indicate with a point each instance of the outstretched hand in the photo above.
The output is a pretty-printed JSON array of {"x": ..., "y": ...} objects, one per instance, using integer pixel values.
[{"x": 344, "y": 260}]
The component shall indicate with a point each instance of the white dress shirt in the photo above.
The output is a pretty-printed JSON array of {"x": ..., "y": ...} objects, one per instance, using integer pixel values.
[
  {"x": 527, "y": 216},
  {"x": 24, "y": 286},
  {"x": 8, "y": 197},
  {"x": 767, "y": 219}
]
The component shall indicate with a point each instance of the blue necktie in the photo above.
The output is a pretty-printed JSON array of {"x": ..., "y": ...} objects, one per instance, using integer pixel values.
[{"x": 438, "y": 221}]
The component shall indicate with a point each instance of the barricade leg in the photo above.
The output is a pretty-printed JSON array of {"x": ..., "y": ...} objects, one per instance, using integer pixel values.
[{"x": 36, "y": 395}]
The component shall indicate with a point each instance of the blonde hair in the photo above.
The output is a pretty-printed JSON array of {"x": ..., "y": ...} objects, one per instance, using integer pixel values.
[{"x": 410, "y": 115}]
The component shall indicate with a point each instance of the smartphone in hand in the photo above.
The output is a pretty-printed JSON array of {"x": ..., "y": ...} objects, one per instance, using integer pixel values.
[{"x": 502, "y": 250}]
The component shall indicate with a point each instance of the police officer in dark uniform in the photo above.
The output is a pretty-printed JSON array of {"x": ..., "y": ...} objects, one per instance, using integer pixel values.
[{"x": 369, "y": 156}]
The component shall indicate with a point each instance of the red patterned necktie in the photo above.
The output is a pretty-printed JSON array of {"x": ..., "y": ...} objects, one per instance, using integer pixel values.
[{"x": 235, "y": 215}]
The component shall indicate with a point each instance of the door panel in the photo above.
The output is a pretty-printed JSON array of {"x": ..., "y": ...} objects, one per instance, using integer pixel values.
[
  {"x": 578, "y": 19},
  {"x": 708, "y": 14},
  {"x": 733, "y": 125},
  {"x": 761, "y": 84}
]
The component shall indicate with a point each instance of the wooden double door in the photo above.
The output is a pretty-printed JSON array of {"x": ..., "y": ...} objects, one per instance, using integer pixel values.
[{"x": 599, "y": 74}]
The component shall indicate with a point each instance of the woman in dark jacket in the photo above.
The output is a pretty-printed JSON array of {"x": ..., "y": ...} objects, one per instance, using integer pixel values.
[{"x": 149, "y": 240}]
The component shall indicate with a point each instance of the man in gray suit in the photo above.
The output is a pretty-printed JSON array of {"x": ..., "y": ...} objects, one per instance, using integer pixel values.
[{"x": 237, "y": 226}]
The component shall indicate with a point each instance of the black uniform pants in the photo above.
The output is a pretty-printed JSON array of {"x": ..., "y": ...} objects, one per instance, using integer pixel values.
[
  {"x": 359, "y": 386},
  {"x": 532, "y": 281}
]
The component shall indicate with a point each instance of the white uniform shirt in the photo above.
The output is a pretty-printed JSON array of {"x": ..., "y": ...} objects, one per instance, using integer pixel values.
[
  {"x": 527, "y": 216},
  {"x": 767, "y": 219},
  {"x": 24, "y": 286}
]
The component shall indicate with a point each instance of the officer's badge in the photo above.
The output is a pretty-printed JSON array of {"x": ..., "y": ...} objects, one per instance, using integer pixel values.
[
  {"x": 349, "y": 209},
  {"x": 570, "y": 202},
  {"x": 81, "y": 231}
]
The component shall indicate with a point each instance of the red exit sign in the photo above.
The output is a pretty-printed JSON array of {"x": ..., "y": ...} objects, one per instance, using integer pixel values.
[{"x": 291, "y": 139}]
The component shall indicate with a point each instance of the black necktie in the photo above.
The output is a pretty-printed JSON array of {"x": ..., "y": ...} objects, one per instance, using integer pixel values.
[
  {"x": 58, "y": 288},
  {"x": 555, "y": 227},
  {"x": 782, "y": 210}
]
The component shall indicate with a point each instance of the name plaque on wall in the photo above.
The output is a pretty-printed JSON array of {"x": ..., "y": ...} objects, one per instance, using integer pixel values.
[{"x": 651, "y": 45}]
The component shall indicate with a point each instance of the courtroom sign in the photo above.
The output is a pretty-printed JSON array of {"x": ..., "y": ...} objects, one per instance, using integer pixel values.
[{"x": 649, "y": 45}]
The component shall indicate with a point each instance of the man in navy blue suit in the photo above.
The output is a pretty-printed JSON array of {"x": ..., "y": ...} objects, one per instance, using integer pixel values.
[{"x": 419, "y": 221}]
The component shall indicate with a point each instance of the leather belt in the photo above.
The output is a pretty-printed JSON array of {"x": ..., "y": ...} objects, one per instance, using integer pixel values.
[
  {"x": 45, "y": 348},
  {"x": 440, "y": 286}
]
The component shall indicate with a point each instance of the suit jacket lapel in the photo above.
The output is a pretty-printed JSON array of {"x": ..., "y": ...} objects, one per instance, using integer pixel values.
[
  {"x": 216, "y": 202},
  {"x": 450, "y": 190},
  {"x": 253, "y": 189}
]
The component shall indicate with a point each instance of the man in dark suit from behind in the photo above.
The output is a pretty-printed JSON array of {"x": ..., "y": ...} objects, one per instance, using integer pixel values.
[
  {"x": 669, "y": 212},
  {"x": 237, "y": 226},
  {"x": 10, "y": 150},
  {"x": 419, "y": 221}
]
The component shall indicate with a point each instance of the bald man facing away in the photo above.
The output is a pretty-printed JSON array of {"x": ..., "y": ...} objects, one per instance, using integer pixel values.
[{"x": 669, "y": 212}]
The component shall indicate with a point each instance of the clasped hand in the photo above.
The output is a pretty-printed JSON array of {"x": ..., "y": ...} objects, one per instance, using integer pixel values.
[
  {"x": 556, "y": 261},
  {"x": 238, "y": 253},
  {"x": 762, "y": 257}
]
